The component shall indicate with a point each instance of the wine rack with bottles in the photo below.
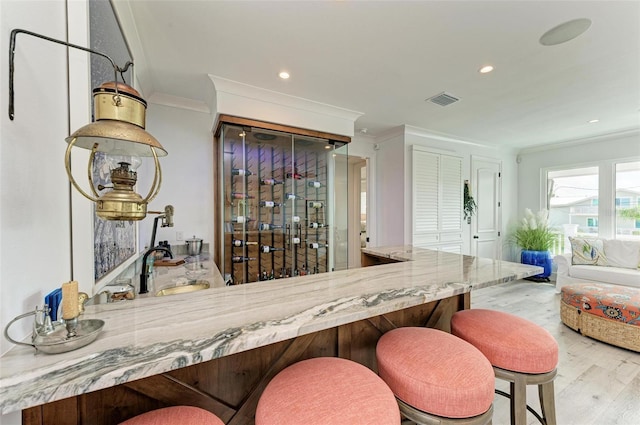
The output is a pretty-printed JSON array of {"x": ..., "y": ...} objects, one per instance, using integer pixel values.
[{"x": 277, "y": 214}]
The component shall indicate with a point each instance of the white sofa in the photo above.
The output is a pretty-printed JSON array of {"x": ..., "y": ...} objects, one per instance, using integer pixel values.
[{"x": 608, "y": 261}]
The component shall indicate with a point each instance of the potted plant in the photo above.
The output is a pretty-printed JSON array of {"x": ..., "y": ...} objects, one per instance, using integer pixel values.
[
  {"x": 469, "y": 204},
  {"x": 535, "y": 236}
]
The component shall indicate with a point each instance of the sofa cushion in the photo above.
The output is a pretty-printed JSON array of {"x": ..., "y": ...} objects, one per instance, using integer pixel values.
[
  {"x": 587, "y": 252},
  {"x": 616, "y": 275},
  {"x": 622, "y": 253}
]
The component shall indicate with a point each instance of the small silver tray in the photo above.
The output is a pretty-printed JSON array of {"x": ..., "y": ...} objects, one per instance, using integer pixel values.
[{"x": 58, "y": 342}]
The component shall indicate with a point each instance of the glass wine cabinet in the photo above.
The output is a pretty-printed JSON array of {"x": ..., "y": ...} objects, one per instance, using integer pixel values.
[{"x": 282, "y": 203}]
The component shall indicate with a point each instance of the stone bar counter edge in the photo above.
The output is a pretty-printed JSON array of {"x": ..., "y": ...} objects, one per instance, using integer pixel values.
[{"x": 151, "y": 336}]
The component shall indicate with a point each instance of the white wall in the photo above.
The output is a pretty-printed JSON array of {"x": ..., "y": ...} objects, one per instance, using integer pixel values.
[
  {"x": 390, "y": 184},
  {"x": 187, "y": 174},
  {"x": 603, "y": 151},
  {"x": 35, "y": 247}
]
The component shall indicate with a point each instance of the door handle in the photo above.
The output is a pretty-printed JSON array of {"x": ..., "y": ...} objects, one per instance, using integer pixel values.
[{"x": 475, "y": 237}]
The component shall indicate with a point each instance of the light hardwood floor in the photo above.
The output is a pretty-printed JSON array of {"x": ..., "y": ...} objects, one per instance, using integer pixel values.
[{"x": 597, "y": 383}]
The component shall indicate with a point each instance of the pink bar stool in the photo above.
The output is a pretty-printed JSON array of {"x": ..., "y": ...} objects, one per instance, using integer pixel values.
[
  {"x": 521, "y": 353},
  {"x": 327, "y": 390},
  {"x": 175, "y": 415},
  {"x": 436, "y": 377}
]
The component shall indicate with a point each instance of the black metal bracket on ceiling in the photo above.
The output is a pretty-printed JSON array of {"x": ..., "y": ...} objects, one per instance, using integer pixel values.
[{"x": 12, "y": 48}]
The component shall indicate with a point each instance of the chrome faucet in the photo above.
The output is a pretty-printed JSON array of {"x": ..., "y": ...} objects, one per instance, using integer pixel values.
[{"x": 144, "y": 275}]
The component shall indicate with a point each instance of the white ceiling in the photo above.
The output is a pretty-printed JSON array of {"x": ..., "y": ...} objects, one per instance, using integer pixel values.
[{"x": 384, "y": 58}]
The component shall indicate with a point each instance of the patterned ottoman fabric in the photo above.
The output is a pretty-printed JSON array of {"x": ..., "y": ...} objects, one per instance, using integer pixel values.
[{"x": 614, "y": 302}]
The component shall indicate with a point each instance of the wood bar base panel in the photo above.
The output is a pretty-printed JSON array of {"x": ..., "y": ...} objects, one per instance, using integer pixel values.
[{"x": 231, "y": 386}]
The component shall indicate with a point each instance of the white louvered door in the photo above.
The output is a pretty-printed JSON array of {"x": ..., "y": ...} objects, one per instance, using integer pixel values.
[{"x": 437, "y": 200}]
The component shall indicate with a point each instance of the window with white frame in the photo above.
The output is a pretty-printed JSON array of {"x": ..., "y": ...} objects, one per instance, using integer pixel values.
[
  {"x": 627, "y": 208},
  {"x": 573, "y": 198}
]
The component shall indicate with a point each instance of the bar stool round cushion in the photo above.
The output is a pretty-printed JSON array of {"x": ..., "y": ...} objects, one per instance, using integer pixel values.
[
  {"x": 175, "y": 415},
  {"x": 508, "y": 341},
  {"x": 436, "y": 372},
  {"x": 327, "y": 390}
]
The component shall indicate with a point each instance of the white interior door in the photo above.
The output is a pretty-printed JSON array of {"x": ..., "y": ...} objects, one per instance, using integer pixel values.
[
  {"x": 357, "y": 209},
  {"x": 486, "y": 240}
]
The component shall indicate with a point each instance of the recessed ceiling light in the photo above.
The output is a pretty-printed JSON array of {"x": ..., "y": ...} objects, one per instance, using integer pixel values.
[
  {"x": 284, "y": 75},
  {"x": 327, "y": 147},
  {"x": 593, "y": 121},
  {"x": 565, "y": 32},
  {"x": 485, "y": 69}
]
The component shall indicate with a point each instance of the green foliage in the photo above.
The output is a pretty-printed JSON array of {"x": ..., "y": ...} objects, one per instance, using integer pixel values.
[
  {"x": 469, "y": 207},
  {"x": 534, "y": 232},
  {"x": 632, "y": 213}
]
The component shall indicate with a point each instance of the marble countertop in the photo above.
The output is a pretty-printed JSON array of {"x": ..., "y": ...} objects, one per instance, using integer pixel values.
[{"x": 148, "y": 336}]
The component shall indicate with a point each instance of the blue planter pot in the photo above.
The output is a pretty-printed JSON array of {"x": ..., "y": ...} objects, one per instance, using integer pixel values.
[{"x": 538, "y": 258}]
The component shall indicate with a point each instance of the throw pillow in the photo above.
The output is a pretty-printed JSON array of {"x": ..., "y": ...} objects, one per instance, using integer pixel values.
[
  {"x": 622, "y": 253},
  {"x": 587, "y": 252}
]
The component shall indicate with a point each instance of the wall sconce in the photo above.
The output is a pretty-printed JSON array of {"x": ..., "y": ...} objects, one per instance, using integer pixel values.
[{"x": 118, "y": 131}]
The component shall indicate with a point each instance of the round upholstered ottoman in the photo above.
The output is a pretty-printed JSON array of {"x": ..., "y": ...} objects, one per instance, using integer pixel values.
[
  {"x": 520, "y": 351},
  {"x": 436, "y": 377},
  {"x": 327, "y": 390},
  {"x": 608, "y": 313},
  {"x": 175, "y": 415}
]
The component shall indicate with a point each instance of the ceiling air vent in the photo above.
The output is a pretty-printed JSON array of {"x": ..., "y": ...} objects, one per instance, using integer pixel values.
[{"x": 443, "y": 99}]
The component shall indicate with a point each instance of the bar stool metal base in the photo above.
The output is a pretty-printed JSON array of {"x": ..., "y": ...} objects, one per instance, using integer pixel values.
[
  {"x": 423, "y": 418},
  {"x": 518, "y": 397}
]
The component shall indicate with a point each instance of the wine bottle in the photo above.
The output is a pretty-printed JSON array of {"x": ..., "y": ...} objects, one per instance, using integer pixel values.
[
  {"x": 314, "y": 184},
  {"x": 269, "y": 226},
  {"x": 270, "y": 182},
  {"x": 241, "y": 259},
  {"x": 295, "y": 219},
  {"x": 316, "y": 245},
  {"x": 241, "y": 172},
  {"x": 269, "y": 204},
  {"x": 295, "y": 176},
  {"x": 314, "y": 225},
  {"x": 267, "y": 248},
  {"x": 292, "y": 196},
  {"x": 238, "y": 195},
  {"x": 315, "y": 204},
  {"x": 295, "y": 241},
  {"x": 241, "y": 219},
  {"x": 240, "y": 242}
]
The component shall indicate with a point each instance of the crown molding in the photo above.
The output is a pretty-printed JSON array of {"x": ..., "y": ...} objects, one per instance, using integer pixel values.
[
  {"x": 629, "y": 132},
  {"x": 421, "y": 132},
  {"x": 179, "y": 102},
  {"x": 244, "y": 100}
]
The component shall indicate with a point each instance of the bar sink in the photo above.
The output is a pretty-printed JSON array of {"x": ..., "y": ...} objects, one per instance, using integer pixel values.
[{"x": 181, "y": 289}]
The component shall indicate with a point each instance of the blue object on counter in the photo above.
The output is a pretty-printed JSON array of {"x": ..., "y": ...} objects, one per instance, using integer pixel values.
[{"x": 53, "y": 300}]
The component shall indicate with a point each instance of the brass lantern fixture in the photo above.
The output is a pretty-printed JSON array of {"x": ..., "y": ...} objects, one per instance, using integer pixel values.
[{"x": 119, "y": 132}]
